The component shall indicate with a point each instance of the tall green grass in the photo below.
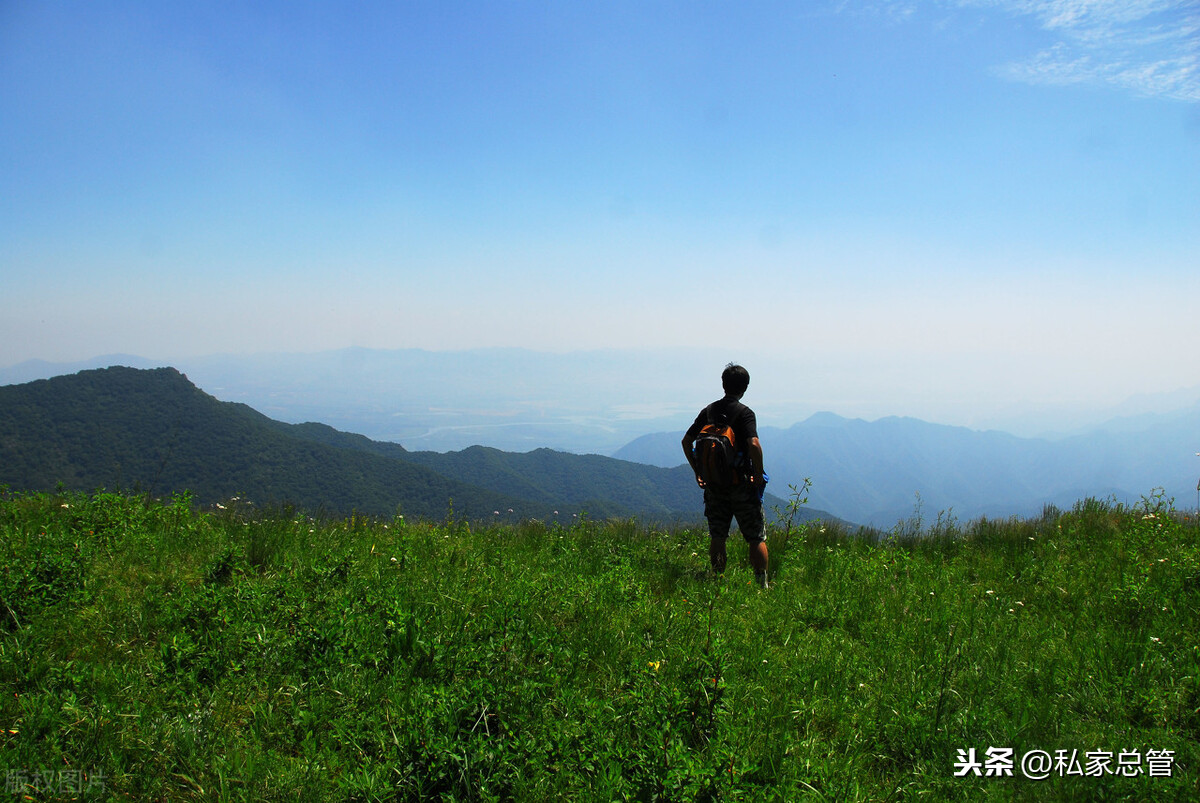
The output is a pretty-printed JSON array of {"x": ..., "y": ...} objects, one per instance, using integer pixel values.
[{"x": 150, "y": 651}]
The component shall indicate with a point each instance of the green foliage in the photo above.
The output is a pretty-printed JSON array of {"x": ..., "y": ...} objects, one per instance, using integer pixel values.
[{"x": 239, "y": 653}]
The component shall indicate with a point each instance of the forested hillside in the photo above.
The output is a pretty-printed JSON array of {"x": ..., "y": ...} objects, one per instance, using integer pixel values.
[{"x": 154, "y": 431}]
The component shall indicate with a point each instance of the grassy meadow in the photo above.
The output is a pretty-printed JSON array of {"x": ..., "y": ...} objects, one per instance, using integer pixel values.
[{"x": 153, "y": 651}]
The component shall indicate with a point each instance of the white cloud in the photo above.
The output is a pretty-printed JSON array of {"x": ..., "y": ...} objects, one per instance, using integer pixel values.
[{"x": 1150, "y": 47}]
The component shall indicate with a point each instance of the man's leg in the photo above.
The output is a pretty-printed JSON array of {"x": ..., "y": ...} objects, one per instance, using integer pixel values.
[
  {"x": 716, "y": 553},
  {"x": 719, "y": 512},
  {"x": 750, "y": 522},
  {"x": 758, "y": 560}
]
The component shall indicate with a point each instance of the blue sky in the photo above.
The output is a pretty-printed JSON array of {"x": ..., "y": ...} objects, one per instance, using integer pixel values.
[{"x": 906, "y": 206}]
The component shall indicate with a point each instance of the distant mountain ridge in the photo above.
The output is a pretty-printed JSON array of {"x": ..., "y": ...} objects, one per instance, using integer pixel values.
[
  {"x": 889, "y": 470},
  {"x": 153, "y": 430},
  {"x": 875, "y": 472},
  {"x": 580, "y": 401}
]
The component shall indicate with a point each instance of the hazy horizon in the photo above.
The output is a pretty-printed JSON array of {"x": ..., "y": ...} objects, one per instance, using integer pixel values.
[
  {"x": 604, "y": 398},
  {"x": 954, "y": 210}
]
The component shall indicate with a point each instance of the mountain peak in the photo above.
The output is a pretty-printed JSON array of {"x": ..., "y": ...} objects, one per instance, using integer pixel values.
[{"x": 825, "y": 419}]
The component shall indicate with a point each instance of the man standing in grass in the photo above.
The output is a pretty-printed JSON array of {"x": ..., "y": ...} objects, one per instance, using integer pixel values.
[{"x": 735, "y": 490}]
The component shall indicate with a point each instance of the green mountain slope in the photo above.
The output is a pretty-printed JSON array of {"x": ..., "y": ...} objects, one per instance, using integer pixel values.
[
  {"x": 561, "y": 480},
  {"x": 154, "y": 430}
]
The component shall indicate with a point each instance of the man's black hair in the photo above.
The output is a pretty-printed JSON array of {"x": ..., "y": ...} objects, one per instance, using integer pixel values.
[{"x": 735, "y": 379}]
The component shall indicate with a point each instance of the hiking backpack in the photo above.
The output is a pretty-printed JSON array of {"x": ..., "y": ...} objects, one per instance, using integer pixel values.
[{"x": 718, "y": 461}]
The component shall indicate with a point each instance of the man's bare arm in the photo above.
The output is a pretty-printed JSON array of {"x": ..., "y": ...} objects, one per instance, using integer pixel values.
[
  {"x": 687, "y": 452},
  {"x": 754, "y": 452}
]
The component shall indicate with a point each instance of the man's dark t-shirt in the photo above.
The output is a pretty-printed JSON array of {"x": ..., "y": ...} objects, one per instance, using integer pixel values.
[{"x": 744, "y": 423}]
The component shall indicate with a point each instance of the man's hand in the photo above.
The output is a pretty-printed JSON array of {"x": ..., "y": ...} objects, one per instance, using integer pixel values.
[{"x": 700, "y": 482}]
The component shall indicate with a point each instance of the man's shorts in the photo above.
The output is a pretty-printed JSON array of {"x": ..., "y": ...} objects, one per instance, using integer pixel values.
[{"x": 720, "y": 508}]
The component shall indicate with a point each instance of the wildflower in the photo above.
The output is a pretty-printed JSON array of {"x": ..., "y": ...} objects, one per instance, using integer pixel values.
[
  {"x": 1155, "y": 639},
  {"x": 64, "y": 504},
  {"x": 989, "y": 591},
  {"x": 220, "y": 506},
  {"x": 394, "y": 560},
  {"x": 655, "y": 665},
  {"x": 1022, "y": 604}
]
